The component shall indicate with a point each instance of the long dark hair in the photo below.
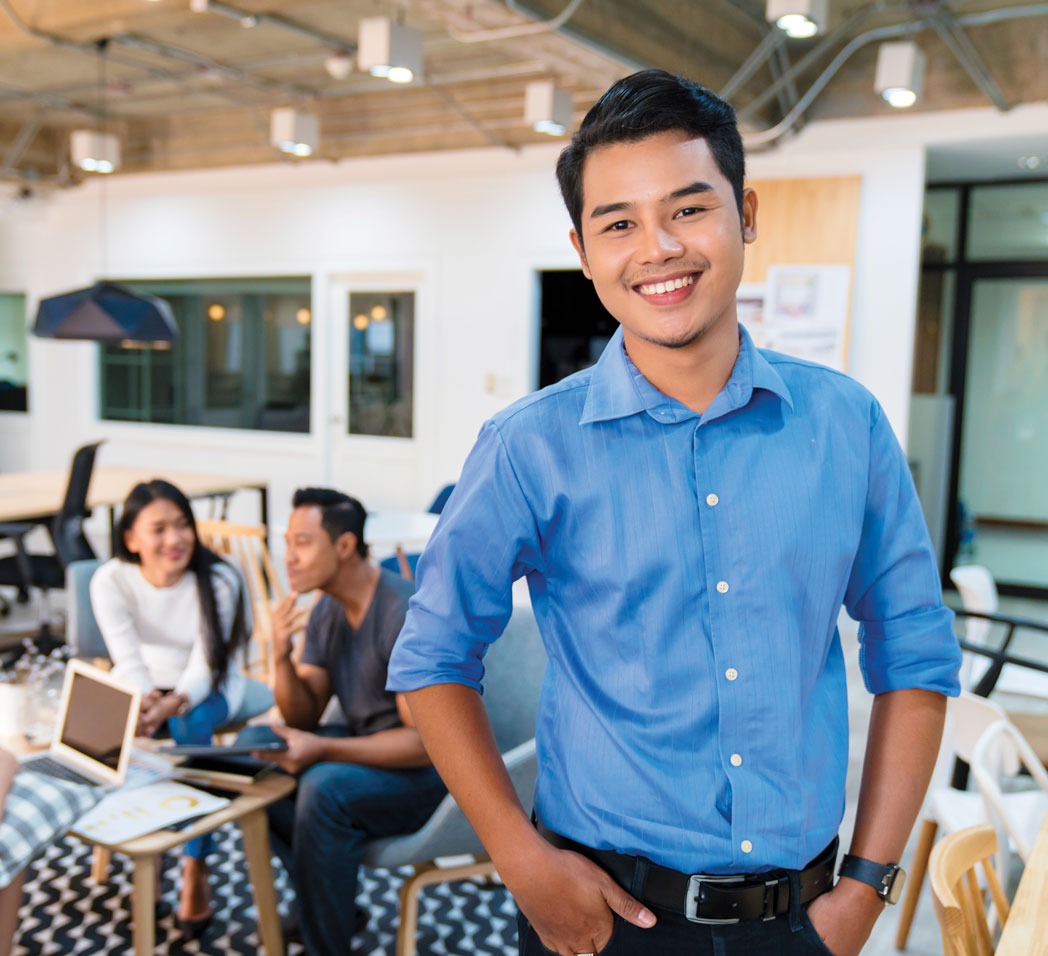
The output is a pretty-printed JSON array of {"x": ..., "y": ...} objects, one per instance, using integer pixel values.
[{"x": 218, "y": 650}]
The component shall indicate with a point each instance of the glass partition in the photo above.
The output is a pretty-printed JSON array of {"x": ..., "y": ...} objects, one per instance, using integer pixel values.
[{"x": 13, "y": 364}]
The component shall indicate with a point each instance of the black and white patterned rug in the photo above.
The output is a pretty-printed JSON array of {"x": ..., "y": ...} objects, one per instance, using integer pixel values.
[{"x": 67, "y": 914}]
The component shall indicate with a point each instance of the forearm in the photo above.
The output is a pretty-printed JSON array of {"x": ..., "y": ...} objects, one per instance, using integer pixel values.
[
  {"x": 399, "y": 748},
  {"x": 298, "y": 706},
  {"x": 457, "y": 734},
  {"x": 901, "y": 749}
]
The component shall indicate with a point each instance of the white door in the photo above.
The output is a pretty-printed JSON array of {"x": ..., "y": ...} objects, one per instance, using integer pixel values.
[{"x": 374, "y": 449}]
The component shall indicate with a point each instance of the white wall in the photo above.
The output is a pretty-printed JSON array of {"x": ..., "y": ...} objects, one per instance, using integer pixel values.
[{"x": 473, "y": 228}]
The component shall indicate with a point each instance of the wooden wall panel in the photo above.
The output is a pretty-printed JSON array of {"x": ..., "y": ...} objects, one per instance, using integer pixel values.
[{"x": 804, "y": 222}]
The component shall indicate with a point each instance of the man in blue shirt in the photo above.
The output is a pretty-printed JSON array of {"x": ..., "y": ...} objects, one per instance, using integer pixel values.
[{"x": 690, "y": 514}]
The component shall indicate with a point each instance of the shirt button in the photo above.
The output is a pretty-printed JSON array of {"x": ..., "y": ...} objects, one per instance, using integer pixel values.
[
  {"x": 722, "y": 587},
  {"x": 731, "y": 673},
  {"x": 746, "y": 846},
  {"x": 712, "y": 500},
  {"x": 736, "y": 760}
]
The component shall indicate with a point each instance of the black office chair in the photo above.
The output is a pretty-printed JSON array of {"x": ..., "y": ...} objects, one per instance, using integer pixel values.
[{"x": 24, "y": 569}]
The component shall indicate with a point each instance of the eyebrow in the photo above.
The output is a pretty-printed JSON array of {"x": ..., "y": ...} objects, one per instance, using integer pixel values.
[{"x": 692, "y": 189}]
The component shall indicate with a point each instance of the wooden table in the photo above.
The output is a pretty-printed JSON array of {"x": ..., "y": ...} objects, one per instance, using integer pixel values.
[
  {"x": 248, "y": 811},
  {"x": 32, "y": 496},
  {"x": 1026, "y": 932}
]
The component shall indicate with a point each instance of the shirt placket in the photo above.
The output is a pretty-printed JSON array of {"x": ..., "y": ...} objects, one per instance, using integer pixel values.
[{"x": 724, "y": 591}]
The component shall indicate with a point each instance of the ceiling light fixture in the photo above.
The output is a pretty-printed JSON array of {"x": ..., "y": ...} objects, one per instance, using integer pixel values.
[
  {"x": 900, "y": 73},
  {"x": 294, "y": 132},
  {"x": 94, "y": 151},
  {"x": 547, "y": 107},
  {"x": 339, "y": 65},
  {"x": 798, "y": 19},
  {"x": 389, "y": 49}
]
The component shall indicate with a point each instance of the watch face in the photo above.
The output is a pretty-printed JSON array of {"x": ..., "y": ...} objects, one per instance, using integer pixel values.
[{"x": 894, "y": 893}]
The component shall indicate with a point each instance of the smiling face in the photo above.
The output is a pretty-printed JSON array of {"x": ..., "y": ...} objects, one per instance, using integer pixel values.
[
  {"x": 662, "y": 240},
  {"x": 164, "y": 540}
]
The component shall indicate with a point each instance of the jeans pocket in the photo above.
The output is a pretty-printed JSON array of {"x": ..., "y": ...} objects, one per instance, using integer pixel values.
[
  {"x": 817, "y": 945},
  {"x": 531, "y": 945}
]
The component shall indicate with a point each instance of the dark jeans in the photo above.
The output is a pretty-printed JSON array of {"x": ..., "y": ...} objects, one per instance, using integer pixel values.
[
  {"x": 198, "y": 727},
  {"x": 673, "y": 935},
  {"x": 319, "y": 833}
]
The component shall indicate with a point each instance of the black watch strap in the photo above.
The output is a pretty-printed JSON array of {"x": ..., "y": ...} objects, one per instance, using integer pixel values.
[{"x": 886, "y": 879}]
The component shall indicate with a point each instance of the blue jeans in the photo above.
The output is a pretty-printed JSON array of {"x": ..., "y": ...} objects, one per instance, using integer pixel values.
[
  {"x": 319, "y": 833},
  {"x": 198, "y": 727}
]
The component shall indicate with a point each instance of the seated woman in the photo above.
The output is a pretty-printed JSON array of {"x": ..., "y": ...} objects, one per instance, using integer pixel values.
[{"x": 172, "y": 615}]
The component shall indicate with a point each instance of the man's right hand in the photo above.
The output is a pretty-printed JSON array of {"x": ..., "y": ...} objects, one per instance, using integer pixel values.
[
  {"x": 569, "y": 901},
  {"x": 287, "y": 621}
]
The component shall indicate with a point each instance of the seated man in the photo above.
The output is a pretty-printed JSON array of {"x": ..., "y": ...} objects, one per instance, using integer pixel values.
[{"x": 368, "y": 776}]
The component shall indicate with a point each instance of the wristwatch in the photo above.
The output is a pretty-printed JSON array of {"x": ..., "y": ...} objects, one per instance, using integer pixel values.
[{"x": 887, "y": 879}]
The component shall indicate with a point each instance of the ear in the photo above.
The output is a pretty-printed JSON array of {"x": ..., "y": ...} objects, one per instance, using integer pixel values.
[
  {"x": 749, "y": 215},
  {"x": 129, "y": 537},
  {"x": 346, "y": 545},
  {"x": 576, "y": 241}
]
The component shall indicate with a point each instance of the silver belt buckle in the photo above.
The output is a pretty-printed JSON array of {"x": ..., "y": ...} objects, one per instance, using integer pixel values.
[{"x": 691, "y": 901}]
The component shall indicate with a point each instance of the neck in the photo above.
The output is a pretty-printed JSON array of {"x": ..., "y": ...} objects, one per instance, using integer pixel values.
[
  {"x": 693, "y": 375},
  {"x": 354, "y": 587},
  {"x": 160, "y": 579}
]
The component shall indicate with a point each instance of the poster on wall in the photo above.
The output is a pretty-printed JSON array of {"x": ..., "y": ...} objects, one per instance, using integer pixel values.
[{"x": 800, "y": 310}]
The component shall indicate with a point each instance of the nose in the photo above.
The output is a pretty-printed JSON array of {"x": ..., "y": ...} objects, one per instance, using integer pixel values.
[{"x": 660, "y": 244}]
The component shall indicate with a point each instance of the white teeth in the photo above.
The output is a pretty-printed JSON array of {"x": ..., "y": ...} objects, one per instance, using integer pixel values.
[{"x": 657, "y": 288}]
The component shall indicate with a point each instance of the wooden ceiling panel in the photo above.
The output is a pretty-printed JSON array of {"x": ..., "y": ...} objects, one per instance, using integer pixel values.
[{"x": 193, "y": 90}]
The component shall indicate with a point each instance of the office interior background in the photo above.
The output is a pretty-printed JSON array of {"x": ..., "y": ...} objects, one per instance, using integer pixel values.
[{"x": 350, "y": 318}]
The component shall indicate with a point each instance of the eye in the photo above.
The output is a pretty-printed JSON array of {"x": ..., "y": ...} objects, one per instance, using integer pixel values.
[
  {"x": 689, "y": 211},
  {"x": 619, "y": 226}
]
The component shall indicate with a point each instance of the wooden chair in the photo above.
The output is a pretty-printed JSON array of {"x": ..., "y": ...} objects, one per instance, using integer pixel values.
[
  {"x": 959, "y": 904},
  {"x": 245, "y": 545},
  {"x": 948, "y": 809}
]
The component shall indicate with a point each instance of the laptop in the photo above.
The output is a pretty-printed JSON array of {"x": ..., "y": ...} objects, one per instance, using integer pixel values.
[{"x": 94, "y": 734}]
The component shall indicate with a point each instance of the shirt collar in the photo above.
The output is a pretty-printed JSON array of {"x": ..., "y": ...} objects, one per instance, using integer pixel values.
[{"x": 617, "y": 389}]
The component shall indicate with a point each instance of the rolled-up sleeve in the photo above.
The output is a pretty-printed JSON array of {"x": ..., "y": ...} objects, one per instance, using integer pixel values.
[
  {"x": 905, "y": 632},
  {"x": 486, "y": 538}
]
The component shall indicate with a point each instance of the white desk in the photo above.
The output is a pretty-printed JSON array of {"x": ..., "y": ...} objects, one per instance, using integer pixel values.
[{"x": 385, "y": 531}]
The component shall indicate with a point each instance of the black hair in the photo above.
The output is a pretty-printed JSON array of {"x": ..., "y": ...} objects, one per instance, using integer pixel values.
[
  {"x": 218, "y": 650},
  {"x": 645, "y": 104},
  {"x": 339, "y": 513}
]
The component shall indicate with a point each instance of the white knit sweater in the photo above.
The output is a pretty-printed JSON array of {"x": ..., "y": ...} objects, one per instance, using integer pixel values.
[{"x": 155, "y": 636}]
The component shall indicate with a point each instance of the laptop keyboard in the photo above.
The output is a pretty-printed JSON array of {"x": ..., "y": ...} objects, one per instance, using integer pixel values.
[{"x": 52, "y": 768}]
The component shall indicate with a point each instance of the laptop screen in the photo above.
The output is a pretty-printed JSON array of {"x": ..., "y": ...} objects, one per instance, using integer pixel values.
[{"x": 96, "y": 719}]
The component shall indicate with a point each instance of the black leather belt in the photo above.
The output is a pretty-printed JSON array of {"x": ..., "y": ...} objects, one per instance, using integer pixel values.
[{"x": 706, "y": 898}]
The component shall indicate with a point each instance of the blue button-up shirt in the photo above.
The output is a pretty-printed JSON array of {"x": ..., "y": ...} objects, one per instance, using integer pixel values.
[{"x": 686, "y": 572}]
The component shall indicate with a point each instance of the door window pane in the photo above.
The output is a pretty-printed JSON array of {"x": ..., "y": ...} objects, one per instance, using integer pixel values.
[
  {"x": 1008, "y": 222},
  {"x": 13, "y": 366},
  {"x": 381, "y": 363}
]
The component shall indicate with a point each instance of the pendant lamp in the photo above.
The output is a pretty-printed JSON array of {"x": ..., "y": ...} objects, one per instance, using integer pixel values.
[{"x": 106, "y": 312}]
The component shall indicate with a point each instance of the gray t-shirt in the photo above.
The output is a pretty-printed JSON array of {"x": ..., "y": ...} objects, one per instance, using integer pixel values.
[{"x": 357, "y": 660}]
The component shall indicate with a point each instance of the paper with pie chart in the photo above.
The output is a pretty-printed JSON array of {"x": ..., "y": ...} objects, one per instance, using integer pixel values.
[{"x": 126, "y": 814}]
